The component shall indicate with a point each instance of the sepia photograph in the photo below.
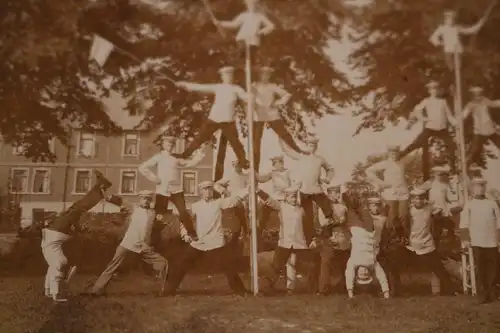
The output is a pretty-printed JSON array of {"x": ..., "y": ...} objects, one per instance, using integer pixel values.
[{"x": 249, "y": 166}]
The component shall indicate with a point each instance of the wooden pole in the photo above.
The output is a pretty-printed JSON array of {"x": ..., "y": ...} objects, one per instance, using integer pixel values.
[
  {"x": 252, "y": 196},
  {"x": 467, "y": 254}
]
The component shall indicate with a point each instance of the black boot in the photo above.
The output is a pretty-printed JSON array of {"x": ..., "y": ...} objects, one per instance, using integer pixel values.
[{"x": 102, "y": 181}]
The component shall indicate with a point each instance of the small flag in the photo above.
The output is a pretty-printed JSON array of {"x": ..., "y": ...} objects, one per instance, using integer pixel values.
[{"x": 101, "y": 49}]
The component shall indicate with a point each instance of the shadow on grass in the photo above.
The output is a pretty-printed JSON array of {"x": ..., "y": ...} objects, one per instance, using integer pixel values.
[{"x": 66, "y": 317}]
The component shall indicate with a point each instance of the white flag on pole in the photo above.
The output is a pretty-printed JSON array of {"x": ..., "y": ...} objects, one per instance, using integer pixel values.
[{"x": 101, "y": 49}]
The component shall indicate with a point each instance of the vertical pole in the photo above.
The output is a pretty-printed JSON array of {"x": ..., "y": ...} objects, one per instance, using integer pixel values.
[
  {"x": 252, "y": 196},
  {"x": 463, "y": 167},
  {"x": 66, "y": 168},
  {"x": 460, "y": 120}
]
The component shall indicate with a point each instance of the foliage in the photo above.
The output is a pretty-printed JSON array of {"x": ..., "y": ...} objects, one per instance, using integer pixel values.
[
  {"x": 43, "y": 63},
  {"x": 397, "y": 60},
  {"x": 48, "y": 84}
]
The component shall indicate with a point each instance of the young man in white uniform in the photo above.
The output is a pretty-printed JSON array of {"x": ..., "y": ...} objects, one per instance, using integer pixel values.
[
  {"x": 137, "y": 240},
  {"x": 168, "y": 184},
  {"x": 207, "y": 213},
  {"x": 269, "y": 97},
  {"x": 291, "y": 235},
  {"x": 480, "y": 229},
  {"x": 309, "y": 169},
  {"x": 448, "y": 34},
  {"x": 221, "y": 116},
  {"x": 435, "y": 115},
  {"x": 484, "y": 127},
  {"x": 60, "y": 230},
  {"x": 421, "y": 243},
  {"x": 251, "y": 25}
]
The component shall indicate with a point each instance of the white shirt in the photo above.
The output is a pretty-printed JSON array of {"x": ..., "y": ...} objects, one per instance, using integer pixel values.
[
  {"x": 394, "y": 176},
  {"x": 363, "y": 248},
  {"x": 138, "y": 235},
  {"x": 449, "y": 37},
  {"x": 438, "y": 113},
  {"x": 308, "y": 170},
  {"x": 291, "y": 225},
  {"x": 480, "y": 110},
  {"x": 226, "y": 95},
  {"x": 281, "y": 179},
  {"x": 441, "y": 195},
  {"x": 250, "y": 24},
  {"x": 265, "y": 96},
  {"x": 482, "y": 218},
  {"x": 421, "y": 241},
  {"x": 208, "y": 221},
  {"x": 167, "y": 171}
]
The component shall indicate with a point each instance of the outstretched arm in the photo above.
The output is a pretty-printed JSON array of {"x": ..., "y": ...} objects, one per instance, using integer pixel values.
[
  {"x": 494, "y": 104},
  {"x": 145, "y": 168},
  {"x": 205, "y": 88},
  {"x": 471, "y": 30},
  {"x": 263, "y": 178},
  {"x": 197, "y": 157},
  {"x": 381, "y": 277},
  {"x": 233, "y": 24},
  {"x": 234, "y": 199},
  {"x": 290, "y": 152}
]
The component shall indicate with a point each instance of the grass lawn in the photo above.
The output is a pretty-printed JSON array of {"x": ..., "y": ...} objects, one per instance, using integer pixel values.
[{"x": 204, "y": 306}]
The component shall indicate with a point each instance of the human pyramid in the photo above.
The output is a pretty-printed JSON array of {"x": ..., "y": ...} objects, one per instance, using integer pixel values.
[{"x": 366, "y": 238}]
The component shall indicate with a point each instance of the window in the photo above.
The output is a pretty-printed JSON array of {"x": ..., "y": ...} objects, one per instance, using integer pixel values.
[
  {"x": 128, "y": 182},
  {"x": 82, "y": 181},
  {"x": 189, "y": 181},
  {"x": 130, "y": 144},
  {"x": 41, "y": 181},
  {"x": 86, "y": 144},
  {"x": 180, "y": 146},
  {"x": 18, "y": 150},
  {"x": 19, "y": 180}
]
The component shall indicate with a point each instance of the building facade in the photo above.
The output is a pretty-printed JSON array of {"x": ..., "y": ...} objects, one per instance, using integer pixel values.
[{"x": 54, "y": 186}]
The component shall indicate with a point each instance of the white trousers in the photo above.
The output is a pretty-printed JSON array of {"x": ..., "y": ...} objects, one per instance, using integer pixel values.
[
  {"x": 52, "y": 242},
  {"x": 291, "y": 272}
]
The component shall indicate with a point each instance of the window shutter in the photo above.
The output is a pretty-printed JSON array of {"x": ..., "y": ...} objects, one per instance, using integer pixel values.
[{"x": 95, "y": 149}]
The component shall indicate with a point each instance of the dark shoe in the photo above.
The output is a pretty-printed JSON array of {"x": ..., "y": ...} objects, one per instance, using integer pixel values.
[
  {"x": 115, "y": 200},
  {"x": 92, "y": 294},
  {"x": 245, "y": 165},
  {"x": 101, "y": 180}
]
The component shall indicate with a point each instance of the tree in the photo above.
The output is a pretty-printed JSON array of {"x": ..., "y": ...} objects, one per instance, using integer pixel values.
[
  {"x": 45, "y": 48},
  {"x": 44, "y": 59},
  {"x": 193, "y": 49},
  {"x": 397, "y": 60}
]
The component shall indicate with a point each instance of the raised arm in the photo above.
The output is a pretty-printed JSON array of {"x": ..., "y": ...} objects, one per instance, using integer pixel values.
[
  {"x": 233, "y": 24},
  {"x": 234, "y": 199},
  {"x": 290, "y": 152},
  {"x": 264, "y": 177},
  {"x": 473, "y": 29},
  {"x": 205, "y": 88},
  {"x": 197, "y": 157},
  {"x": 145, "y": 168},
  {"x": 494, "y": 104},
  {"x": 437, "y": 36},
  {"x": 267, "y": 25}
]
